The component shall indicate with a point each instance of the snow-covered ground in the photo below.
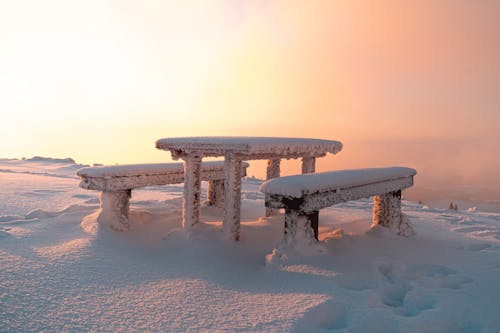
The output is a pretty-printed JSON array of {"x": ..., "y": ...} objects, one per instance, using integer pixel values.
[{"x": 59, "y": 271}]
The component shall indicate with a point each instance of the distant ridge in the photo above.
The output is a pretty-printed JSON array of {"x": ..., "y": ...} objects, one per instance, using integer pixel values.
[{"x": 51, "y": 160}]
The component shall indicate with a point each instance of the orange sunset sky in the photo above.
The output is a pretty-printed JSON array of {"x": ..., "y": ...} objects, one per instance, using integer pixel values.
[{"x": 413, "y": 83}]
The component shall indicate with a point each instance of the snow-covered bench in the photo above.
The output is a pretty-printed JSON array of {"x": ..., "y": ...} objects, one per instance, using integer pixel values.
[
  {"x": 302, "y": 197},
  {"x": 117, "y": 182}
]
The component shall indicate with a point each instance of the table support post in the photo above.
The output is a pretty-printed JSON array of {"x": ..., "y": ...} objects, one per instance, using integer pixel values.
[
  {"x": 273, "y": 171},
  {"x": 192, "y": 189},
  {"x": 232, "y": 197},
  {"x": 215, "y": 193},
  {"x": 308, "y": 164}
]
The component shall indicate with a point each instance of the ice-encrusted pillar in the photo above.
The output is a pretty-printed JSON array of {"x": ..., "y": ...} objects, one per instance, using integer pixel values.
[
  {"x": 387, "y": 213},
  {"x": 192, "y": 189},
  {"x": 300, "y": 228},
  {"x": 272, "y": 171},
  {"x": 215, "y": 193},
  {"x": 232, "y": 196},
  {"x": 115, "y": 209},
  {"x": 308, "y": 164}
]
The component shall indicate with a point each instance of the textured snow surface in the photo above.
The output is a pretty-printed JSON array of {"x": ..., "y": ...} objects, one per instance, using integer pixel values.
[
  {"x": 296, "y": 186},
  {"x": 142, "y": 169},
  {"x": 59, "y": 271},
  {"x": 252, "y": 145}
]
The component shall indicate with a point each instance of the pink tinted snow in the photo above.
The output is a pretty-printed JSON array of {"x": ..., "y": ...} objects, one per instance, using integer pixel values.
[
  {"x": 155, "y": 278},
  {"x": 296, "y": 186}
]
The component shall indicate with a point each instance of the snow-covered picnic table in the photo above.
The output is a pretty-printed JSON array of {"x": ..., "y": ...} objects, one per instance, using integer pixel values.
[{"x": 235, "y": 150}]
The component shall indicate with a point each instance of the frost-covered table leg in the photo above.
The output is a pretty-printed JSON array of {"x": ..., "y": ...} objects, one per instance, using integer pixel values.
[
  {"x": 115, "y": 209},
  {"x": 232, "y": 197},
  {"x": 308, "y": 164},
  {"x": 273, "y": 171},
  {"x": 215, "y": 193},
  {"x": 387, "y": 213},
  {"x": 192, "y": 189}
]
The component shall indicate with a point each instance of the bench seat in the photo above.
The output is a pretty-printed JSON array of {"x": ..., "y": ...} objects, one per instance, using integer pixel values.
[
  {"x": 116, "y": 183},
  {"x": 302, "y": 196}
]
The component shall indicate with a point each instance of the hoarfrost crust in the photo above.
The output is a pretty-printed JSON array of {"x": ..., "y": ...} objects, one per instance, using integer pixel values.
[
  {"x": 387, "y": 213},
  {"x": 254, "y": 146},
  {"x": 114, "y": 210},
  {"x": 296, "y": 186},
  {"x": 308, "y": 165},
  {"x": 191, "y": 198},
  {"x": 272, "y": 171},
  {"x": 298, "y": 230},
  {"x": 215, "y": 193},
  {"x": 116, "y": 181},
  {"x": 232, "y": 197},
  {"x": 303, "y": 196},
  {"x": 123, "y": 177},
  {"x": 315, "y": 201},
  {"x": 237, "y": 149}
]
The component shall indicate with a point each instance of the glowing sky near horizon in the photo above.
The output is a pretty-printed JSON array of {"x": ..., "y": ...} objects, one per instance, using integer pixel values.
[{"x": 100, "y": 81}]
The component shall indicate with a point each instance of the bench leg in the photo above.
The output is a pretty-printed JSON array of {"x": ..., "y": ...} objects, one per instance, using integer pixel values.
[
  {"x": 272, "y": 171},
  {"x": 387, "y": 213},
  {"x": 232, "y": 197},
  {"x": 115, "y": 209},
  {"x": 308, "y": 165},
  {"x": 215, "y": 193},
  {"x": 300, "y": 227},
  {"x": 314, "y": 218},
  {"x": 192, "y": 189}
]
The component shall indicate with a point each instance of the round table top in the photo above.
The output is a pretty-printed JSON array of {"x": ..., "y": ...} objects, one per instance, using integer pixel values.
[{"x": 250, "y": 146}]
